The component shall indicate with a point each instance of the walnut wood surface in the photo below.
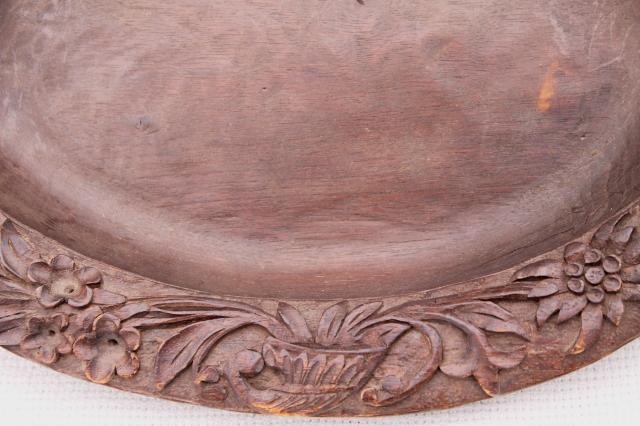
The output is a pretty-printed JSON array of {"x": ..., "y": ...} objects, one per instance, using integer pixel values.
[
  {"x": 310, "y": 149},
  {"x": 374, "y": 356},
  {"x": 327, "y": 207}
]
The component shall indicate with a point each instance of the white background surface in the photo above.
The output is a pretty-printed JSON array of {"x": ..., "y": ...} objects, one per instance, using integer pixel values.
[{"x": 606, "y": 393}]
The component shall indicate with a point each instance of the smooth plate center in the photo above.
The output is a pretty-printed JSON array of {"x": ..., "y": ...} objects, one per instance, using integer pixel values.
[{"x": 313, "y": 149}]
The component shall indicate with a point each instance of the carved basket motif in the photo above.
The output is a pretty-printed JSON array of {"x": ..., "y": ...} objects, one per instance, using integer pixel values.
[{"x": 316, "y": 379}]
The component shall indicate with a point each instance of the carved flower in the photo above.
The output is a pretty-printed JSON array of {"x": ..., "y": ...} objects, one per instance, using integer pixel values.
[
  {"x": 63, "y": 282},
  {"x": 593, "y": 280},
  {"x": 108, "y": 349},
  {"x": 46, "y": 338}
]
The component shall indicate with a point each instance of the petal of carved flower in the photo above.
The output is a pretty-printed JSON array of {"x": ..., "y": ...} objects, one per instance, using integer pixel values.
[
  {"x": 85, "y": 348},
  {"x": 47, "y": 299},
  {"x": 603, "y": 234},
  {"x": 592, "y": 318},
  {"x": 60, "y": 320},
  {"x": 631, "y": 274},
  {"x": 34, "y": 324},
  {"x": 614, "y": 308},
  {"x": 131, "y": 336},
  {"x": 100, "y": 369},
  {"x": 106, "y": 323},
  {"x": 62, "y": 262},
  {"x": 548, "y": 306},
  {"x": 571, "y": 307},
  {"x": 39, "y": 272},
  {"x": 82, "y": 299},
  {"x": 46, "y": 354},
  {"x": 543, "y": 289},
  {"x": 84, "y": 320},
  {"x": 65, "y": 348},
  {"x": 631, "y": 292},
  {"x": 621, "y": 238},
  {"x": 128, "y": 365},
  {"x": 89, "y": 275},
  {"x": 631, "y": 254},
  {"x": 574, "y": 252},
  {"x": 32, "y": 341}
]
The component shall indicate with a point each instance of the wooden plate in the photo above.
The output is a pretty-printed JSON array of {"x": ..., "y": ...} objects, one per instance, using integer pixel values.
[{"x": 320, "y": 207}]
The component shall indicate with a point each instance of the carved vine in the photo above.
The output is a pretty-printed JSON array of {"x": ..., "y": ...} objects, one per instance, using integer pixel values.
[{"x": 58, "y": 308}]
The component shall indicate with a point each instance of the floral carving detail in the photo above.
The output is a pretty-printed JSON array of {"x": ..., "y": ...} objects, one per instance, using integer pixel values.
[
  {"x": 320, "y": 369},
  {"x": 108, "y": 349},
  {"x": 321, "y": 366},
  {"x": 593, "y": 280},
  {"x": 45, "y": 338},
  {"x": 62, "y": 282}
]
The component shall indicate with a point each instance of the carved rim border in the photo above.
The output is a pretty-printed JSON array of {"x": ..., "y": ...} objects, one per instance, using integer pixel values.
[{"x": 436, "y": 349}]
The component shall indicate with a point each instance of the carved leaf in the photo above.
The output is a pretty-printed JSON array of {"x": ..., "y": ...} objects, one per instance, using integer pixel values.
[
  {"x": 487, "y": 378},
  {"x": 104, "y": 297},
  {"x": 460, "y": 366},
  {"x": 491, "y": 317},
  {"x": 360, "y": 314},
  {"x": 12, "y": 325},
  {"x": 393, "y": 389},
  {"x": 480, "y": 359},
  {"x": 154, "y": 322},
  {"x": 11, "y": 320},
  {"x": 544, "y": 288},
  {"x": 12, "y": 336},
  {"x": 14, "y": 250},
  {"x": 330, "y": 324},
  {"x": 614, "y": 308},
  {"x": 295, "y": 323},
  {"x": 353, "y": 322},
  {"x": 383, "y": 334},
  {"x": 17, "y": 288},
  {"x": 192, "y": 306},
  {"x": 542, "y": 269},
  {"x": 506, "y": 359},
  {"x": 177, "y": 352},
  {"x": 489, "y": 323},
  {"x": 132, "y": 309}
]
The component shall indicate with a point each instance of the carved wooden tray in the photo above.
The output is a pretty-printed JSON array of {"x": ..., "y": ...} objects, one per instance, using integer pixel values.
[{"x": 314, "y": 207}]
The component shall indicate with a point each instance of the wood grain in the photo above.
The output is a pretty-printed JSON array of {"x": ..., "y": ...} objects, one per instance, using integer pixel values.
[
  {"x": 309, "y": 149},
  {"x": 319, "y": 207}
]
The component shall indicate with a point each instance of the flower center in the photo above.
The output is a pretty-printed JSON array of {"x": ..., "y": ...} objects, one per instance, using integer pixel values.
[
  {"x": 66, "y": 287},
  {"x": 111, "y": 347},
  {"x": 600, "y": 271}
]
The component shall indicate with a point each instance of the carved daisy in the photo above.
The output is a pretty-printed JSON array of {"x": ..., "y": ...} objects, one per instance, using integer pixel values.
[
  {"x": 593, "y": 280},
  {"x": 108, "y": 349},
  {"x": 45, "y": 338}
]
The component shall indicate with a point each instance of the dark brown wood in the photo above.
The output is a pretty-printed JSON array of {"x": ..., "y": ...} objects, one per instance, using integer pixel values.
[{"x": 322, "y": 207}]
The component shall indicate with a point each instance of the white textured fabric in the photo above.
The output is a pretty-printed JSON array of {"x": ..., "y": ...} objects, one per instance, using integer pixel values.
[{"x": 607, "y": 392}]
